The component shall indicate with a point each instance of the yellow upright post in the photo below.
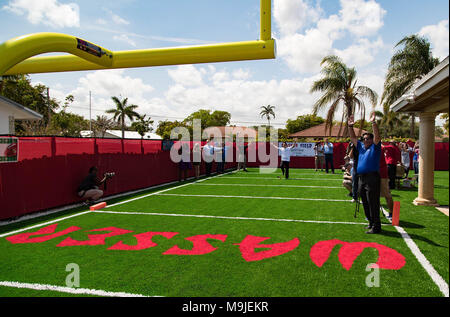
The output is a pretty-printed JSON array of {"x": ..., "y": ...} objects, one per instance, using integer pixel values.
[{"x": 266, "y": 20}]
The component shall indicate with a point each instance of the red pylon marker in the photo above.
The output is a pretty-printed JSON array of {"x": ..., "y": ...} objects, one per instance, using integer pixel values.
[
  {"x": 98, "y": 206},
  {"x": 396, "y": 214}
]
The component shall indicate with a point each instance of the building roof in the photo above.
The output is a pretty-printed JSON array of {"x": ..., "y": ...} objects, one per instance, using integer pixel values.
[
  {"x": 18, "y": 111},
  {"x": 318, "y": 131},
  {"x": 229, "y": 131},
  {"x": 429, "y": 94},
  {"x": 117, "y": 134}
]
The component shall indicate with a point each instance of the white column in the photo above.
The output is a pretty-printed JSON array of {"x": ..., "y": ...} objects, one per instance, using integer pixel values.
[{"x": 426, "y": 160}]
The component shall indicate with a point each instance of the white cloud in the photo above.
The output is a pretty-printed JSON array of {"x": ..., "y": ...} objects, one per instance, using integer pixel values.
[
  {"x": 48, "y": 12},
  {"x": 242, "y": 98},
  {"x": 124, "y": 38},
  {"x": 303, "y": 50},
  {"x": 105, "y": 84},
  {"x": 186, "y": 75},
  {"x": 439, "y": 38},
  {"x": 101, "y": 22},
  {"x": 118, "y": 20},
  {"x": 361, "y": 53},
  {"x": 362, "y": 18},
  {"x": 293, "y": 15}
]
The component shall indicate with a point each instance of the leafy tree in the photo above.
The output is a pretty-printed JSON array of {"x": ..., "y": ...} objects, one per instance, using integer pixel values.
[
  {"x": 303, "y": 122},
  {"x": 267, "y": 111},
  {"x": 444, "y": 116},
  {"x": 165, "y": 127},
  {"x": 407, "y": 66},
  {"x": 339, "y": 86},
  {"x": 143, "y": 125},
  {"x": 67, "y": 124},
  {"x": 123, "y": 110},
  {"x": 215, "y": 119}
]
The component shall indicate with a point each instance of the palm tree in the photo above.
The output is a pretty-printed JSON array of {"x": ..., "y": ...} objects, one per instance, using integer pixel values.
[
  {"x": 407, "y": 66},
  {"x": 339, "y": 86},
  {"x": 101, "y": 124},
  {"x": 267, "y": 111},
  {"x": 121, "y": 111}
]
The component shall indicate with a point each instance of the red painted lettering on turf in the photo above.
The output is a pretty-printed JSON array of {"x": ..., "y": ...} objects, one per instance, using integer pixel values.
[
  {"x": 388, "y": 258},
  {"x": 144, "y": 241},
  {"x": 25, "y": 237},
  {"x": 94, "y": 239},
  {"x": 201, "y": 246},
  {"x": 250, "y": 243}
]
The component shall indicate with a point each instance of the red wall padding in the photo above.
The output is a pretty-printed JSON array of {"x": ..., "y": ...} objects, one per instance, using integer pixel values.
[{"x": 51, "y": 168}]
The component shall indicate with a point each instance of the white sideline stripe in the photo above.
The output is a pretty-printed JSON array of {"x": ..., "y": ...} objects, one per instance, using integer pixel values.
[
  {"x": 43, "y": 224},
  {"x": 227, "y": 217},
  {"x": 85, "y": 212},
  {"x": 165, "y": 190},
  {"x": 255, "y": 197},
  {"x": 437, "y": 279},
  {"x": 253, "y": 185},
  {"x": 61, "y": 289},
  {"x": 282, "y": 177}
]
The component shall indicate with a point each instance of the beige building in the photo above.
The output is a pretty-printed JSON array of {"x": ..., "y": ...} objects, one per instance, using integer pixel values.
[{"x": 427, "y": 98}]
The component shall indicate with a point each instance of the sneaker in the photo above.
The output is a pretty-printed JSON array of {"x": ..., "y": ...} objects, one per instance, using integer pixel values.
[
  {"x": 353, "y": 200},
  {"x": 373, "y": 231}
]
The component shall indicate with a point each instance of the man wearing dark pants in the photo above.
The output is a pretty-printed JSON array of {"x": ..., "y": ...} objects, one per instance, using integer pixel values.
[
  {"x": 328, "y": 151},
  {"x": 368, "y": 172}
]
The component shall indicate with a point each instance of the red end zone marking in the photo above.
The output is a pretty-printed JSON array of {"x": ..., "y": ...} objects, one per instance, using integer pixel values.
[{"x": 98, "y": 206}]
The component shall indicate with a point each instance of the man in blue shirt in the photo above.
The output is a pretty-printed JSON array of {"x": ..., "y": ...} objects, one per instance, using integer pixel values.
[
  {"x": 328, "y": 151},
  {"x": 368, "y": 172}
]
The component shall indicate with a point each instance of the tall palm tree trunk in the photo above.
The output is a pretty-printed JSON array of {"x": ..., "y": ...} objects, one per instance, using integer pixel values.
[{"x": 123, "y": 127}]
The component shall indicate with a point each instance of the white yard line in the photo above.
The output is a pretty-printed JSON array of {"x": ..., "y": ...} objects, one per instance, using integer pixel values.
[
  {"x": 123, "y": 202},
  {"x": 437, "y": 279},
  {"x": 281, "y": 177},
  {"x": 256, "y": 185},
  {"x": 43, "y": 224},
  {"x": 227, "y": 217},
  {"x": 255, "y": 197},
  {"x": 69, "y": 290}
]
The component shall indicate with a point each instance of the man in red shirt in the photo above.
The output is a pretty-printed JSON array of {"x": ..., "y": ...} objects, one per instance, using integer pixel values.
[
  {"x": 384, "y": 186},
  {"x": 393, "y": 156}
]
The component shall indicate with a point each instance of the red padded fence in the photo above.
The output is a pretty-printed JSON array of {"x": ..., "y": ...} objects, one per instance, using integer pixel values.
[{"x": 51, "y": 168}]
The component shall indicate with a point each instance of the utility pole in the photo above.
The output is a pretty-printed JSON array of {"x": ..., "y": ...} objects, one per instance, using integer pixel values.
[
  {"x": 48, "y": 105},
  {"x": 90, "y": 119}
]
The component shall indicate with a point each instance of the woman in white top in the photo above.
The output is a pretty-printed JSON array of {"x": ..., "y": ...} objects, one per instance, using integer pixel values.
[{"x": 406, "y": 161}]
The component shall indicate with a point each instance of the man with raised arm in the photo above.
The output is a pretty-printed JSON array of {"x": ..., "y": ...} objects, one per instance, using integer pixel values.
[{"x": 368, "y": 171}]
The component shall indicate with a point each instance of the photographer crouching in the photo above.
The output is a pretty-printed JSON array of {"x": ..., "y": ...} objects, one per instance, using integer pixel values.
[{"x": 89, "y": 187}]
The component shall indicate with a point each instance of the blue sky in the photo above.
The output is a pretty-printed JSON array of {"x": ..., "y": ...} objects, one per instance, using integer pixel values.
[{"x": 362, "y": 32}]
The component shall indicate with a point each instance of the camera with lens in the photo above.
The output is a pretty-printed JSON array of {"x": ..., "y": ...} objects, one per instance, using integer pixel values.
[{"x": 109, "y": 175}]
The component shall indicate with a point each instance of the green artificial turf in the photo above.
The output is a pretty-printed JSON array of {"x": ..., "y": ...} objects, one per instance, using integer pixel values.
[{"x": 224, "y": 272}]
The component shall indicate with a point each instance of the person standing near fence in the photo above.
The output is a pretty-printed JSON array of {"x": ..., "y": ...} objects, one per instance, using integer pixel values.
[
  {"x": 405, "y": 149},
  {"x": 416, "y": 158},
  {"x": 197, "y": 159},
  {"x": 208, "y": 156},
  {"x": 328, "y": 151},
  {"x": 392, "y": 154},
  {"x": 319, "y": 156}
]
